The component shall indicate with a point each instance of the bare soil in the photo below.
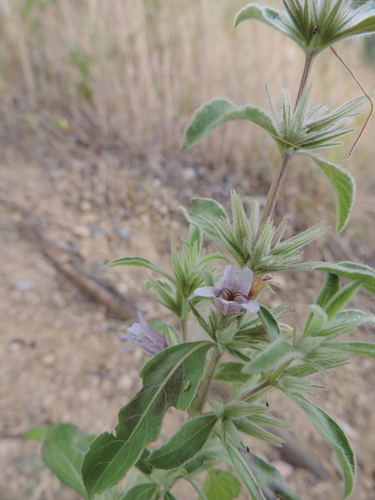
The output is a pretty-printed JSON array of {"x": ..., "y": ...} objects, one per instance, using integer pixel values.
[{"x": 61, "y": 358}]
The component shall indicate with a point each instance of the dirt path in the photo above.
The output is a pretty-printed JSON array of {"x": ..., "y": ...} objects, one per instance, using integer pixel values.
[{"x": 61, "y": 358}]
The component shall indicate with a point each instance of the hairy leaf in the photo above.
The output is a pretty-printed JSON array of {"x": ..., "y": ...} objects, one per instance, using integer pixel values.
[
  {"x": 343, "y": 185},
  {"x": 350, "y": 270},
  {"x": 332, "y": 432},
  {"x": 362, "y": 348},
  {"x": 277, "y": 353},
  {"x": 263, "y": 481},
  {"x": 139, "y": 261},
  {"x": 220, "y": 111}
]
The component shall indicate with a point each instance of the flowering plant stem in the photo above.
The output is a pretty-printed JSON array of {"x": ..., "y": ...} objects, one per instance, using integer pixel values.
[
  {"x": 197, "y": 406},
  {"x": 284, "y": 161},
  {"x": 275, "y": 189},
  {"x": 305, "y": 78}
]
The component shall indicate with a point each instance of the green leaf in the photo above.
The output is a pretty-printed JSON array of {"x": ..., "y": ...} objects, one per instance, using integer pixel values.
[
  {"x": 185, "y": 444},
  {"x": 276, "y": 354},
  {"x": 361, "y": 28},
  {"x": 139, "y": 261},
  {"x": 170, "y": 378},
  {"x": 221, "y": 485},
  {"x": 341, "y": 298},
  {"x": 263, "y": 481},
  {"x": 231, "y": 372},
  {"x": 245, "y": 425},
  {"x": 343, "y": 185},
  {"x": 316, "y": 320},
  {"x": 143, "y": 491},
  {"x": 362, "y": 348},
  {"x": 272, "y": 17},
  {"x": 269, "y": 322},
  {"x": 220, "y": 111},
  {"x": 195, "y": 236},
  {"x": 350, "y": 270},
  {"x": 63, "y": 453},
  {"x": 332, "y": 432},
  {"x": 169, "y": 496},
  {"x": 38, "y": 433},
  {"x": 330, "y": 288},
  {"x": 142, "y": 464}
]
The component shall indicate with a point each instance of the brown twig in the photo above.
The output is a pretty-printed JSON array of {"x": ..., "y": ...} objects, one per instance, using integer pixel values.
[{"x": 66, "y": 265}]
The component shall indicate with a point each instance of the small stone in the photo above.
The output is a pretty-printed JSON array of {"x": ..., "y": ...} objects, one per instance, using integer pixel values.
[
  {"x": 81, "y": 231},
  {"x": 49, "y": 359},
  {"x": 125, "y": 233},
  {"x": 97, "y": 230},
  {"x": 25, "y": 286},
  {"x": 188, "y": 173},
  {"x": 85, "y": 206}
]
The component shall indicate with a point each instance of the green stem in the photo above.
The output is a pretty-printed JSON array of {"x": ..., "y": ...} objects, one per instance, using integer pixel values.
[
  {"x": 197, "y": 405},
  {"x": 184, "y": 329}
]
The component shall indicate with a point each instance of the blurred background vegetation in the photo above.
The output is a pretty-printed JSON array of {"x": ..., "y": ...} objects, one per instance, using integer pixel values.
[{"x": 137, "y": 70}]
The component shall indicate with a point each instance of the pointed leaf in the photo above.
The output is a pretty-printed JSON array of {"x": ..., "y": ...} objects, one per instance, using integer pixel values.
[
  {"x": 220, "y": 111},
  {"x": 276, "y": 354},
  {"x": 143, "y": 491},
  {"x": 269, "y": 322},
  {"x": 263, "y": 481},
  {"x": 185, "y": 444},
  {"x": 361, "y": 28},
  {"x": 139, "y": 261},
  {"x": 221, "y": 485},
  {"x": 63, "y": 453},
  {"x": 361, "y": 348},
  {"x": 142, "y": 465},
  {"x": 170, "y": 378},
  {"x": 38, "y": 433},
  {"x": 341, "y": 298},
  {"x": 350, "y": 270},
  {"x": 230, "y": 371},
  {"x": 343, "y": 185},
  {"x": 272, "y": 17},
  {"x": 332, "y": 432}
]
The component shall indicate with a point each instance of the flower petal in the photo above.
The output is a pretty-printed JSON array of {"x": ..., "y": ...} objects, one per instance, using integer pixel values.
[
  {"x": 229, "y": 277},
  {"x": 244, "y": 280},
  {"x": 251, "y": 306},
  {"x": 207, "y": 291},
  {"x": 228, "y": 306}
]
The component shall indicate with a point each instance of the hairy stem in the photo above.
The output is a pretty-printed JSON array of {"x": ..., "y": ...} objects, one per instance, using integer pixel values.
[
  {"x": 305, "y": 78},
  {"x": 257, "y": 389},
  {"x": 274, "y": 190},
  {"x": 279, "y": 176},
  {"x": 199, "y": 402}
]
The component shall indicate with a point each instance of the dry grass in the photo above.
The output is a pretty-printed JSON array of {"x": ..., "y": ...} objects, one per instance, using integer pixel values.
[
  {"x": 140, "y": 69},
  {"x": 142, "y": 65}
]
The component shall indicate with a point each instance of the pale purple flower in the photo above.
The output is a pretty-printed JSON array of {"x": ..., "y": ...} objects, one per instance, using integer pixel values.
[
  {"x": 233, "y": 295},
  {"x": 145, "y": 336}
]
